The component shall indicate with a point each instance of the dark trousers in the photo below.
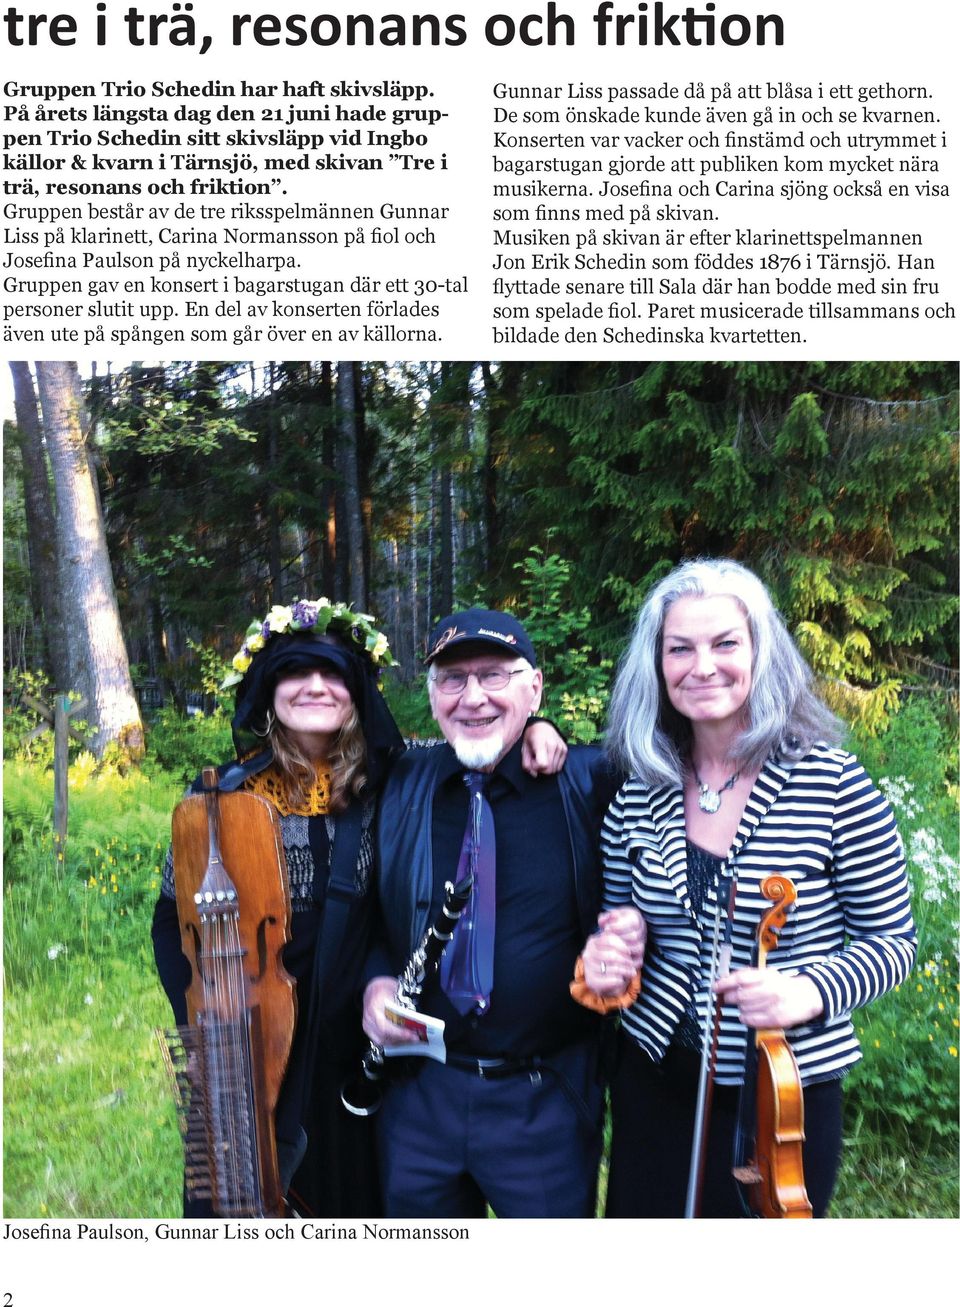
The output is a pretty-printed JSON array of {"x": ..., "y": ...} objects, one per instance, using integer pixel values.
[
  {"x": 653, "y": 1117},
  {"x": 528, "y": 1143}
]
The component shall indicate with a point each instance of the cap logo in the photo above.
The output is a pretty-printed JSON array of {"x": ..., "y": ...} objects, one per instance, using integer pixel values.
[
  {"x": 498, "y": 635},
  {"x": 443, "y": 640}
]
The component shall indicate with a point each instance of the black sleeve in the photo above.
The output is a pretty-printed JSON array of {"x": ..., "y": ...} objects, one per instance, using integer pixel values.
[
  {"x": 609, "y": 779},
  {"x": 378, "y": 961},
  {"x": 532, "y": 721},
  {"x": 172, "y": 967}
]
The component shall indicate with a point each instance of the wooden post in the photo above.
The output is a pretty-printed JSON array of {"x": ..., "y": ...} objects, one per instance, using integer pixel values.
[
  {"x": 61, "y": 729},
  {"x": 57, "y": 719}
]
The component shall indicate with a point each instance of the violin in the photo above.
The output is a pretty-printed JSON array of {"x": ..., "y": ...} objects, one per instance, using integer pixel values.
[
  {"x": 768, "y": 1161},
  {"x": 229, "y": 1061}
]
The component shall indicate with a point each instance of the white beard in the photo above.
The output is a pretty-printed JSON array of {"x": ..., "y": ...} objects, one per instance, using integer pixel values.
[{"x": 477, "y": 755}]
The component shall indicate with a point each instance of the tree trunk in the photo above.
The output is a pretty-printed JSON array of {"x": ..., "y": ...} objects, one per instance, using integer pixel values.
[
  {"x": 41, "y": 525},
  {"x": 349, "y": 477},
  {"x": 328, "y": 454},
  {"x": 503, "y": 397},
  {"x": 446, "y": 540},
  {"x": 273, "y": 509},
  {"x": 88, "y": 598},
  {"x": 416, "y": 635},
  {"x": 431, "y": 614},
  {"x": 365, "y": 458}
]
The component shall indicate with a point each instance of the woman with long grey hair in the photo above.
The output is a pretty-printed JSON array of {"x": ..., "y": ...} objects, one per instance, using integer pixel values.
[{"x": 736, "y": 774}]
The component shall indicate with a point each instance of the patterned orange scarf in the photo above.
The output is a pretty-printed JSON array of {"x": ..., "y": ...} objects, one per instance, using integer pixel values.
[{"x": 270, "y": 785}]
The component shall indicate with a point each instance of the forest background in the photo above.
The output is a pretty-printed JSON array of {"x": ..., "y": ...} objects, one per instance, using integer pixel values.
[{"x": 152, "y": 512}]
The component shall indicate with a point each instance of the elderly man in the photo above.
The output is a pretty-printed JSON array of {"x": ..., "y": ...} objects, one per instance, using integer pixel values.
[{"x": 513, "y": 1117}]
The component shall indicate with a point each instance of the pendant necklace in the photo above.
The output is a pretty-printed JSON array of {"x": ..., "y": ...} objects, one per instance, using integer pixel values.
[{"x": 707, "y": 799}]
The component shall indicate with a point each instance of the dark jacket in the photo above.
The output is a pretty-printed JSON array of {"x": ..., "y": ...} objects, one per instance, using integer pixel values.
[{"x": 404, "y": 839}]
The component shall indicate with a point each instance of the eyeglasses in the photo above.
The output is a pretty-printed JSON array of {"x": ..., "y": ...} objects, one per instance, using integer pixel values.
[{"x": 494, "y": 678}]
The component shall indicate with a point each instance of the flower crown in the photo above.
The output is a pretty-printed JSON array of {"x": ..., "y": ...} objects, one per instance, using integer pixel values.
[{"x": 317, "y": 615}]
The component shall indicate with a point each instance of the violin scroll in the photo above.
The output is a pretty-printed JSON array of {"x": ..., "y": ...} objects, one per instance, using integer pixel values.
[{"x": 783, "y": 894}]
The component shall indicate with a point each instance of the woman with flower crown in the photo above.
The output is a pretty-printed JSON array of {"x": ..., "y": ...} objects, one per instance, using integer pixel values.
[{"x": 314, "y": 737}]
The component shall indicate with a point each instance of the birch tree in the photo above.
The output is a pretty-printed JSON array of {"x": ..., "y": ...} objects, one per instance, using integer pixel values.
[{"x": 98, "y": 662}]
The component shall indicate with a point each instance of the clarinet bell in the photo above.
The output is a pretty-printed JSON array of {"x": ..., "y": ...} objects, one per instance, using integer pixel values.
[{"x": 362, "y": 1095}]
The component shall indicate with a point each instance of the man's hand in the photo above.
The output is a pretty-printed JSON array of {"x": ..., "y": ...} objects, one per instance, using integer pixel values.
[
  {"x": 544, "y": 751},
  {"x": 376, "y": 1025}
]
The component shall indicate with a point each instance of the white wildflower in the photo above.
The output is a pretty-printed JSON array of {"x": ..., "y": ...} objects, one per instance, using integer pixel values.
[
  {"x": 897, "y": 789},
  {"x": 279, "y": 618}
]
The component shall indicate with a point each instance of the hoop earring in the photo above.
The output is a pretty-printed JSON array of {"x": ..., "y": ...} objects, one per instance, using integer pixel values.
[{"x": 268, "y": 722}]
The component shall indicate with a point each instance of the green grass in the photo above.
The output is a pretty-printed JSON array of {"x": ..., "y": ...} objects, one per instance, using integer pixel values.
[
  {"x": 878, "y": 1179},
  {"x": 89, "y": 1125}
]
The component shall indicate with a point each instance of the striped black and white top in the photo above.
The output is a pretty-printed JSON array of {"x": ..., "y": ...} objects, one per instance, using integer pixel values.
[{"x": 819, "y": 821}]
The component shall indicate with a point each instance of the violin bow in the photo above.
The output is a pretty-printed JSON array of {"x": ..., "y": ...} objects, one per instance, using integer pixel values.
[{"x": 720, "y": 954}]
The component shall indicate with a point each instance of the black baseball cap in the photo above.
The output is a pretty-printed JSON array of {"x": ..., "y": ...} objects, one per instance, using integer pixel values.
[{"x": 485, "y": 626}]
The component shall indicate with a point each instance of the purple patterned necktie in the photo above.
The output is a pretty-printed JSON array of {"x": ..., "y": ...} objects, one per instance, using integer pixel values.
[{"x": 466, "y": 971}]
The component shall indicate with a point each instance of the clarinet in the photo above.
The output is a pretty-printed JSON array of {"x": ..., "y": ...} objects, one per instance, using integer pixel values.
[{"x": 363, "y": 1094}]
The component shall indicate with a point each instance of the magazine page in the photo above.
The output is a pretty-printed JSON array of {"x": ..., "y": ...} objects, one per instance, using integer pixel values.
[{"x": 515, "y": 307}]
